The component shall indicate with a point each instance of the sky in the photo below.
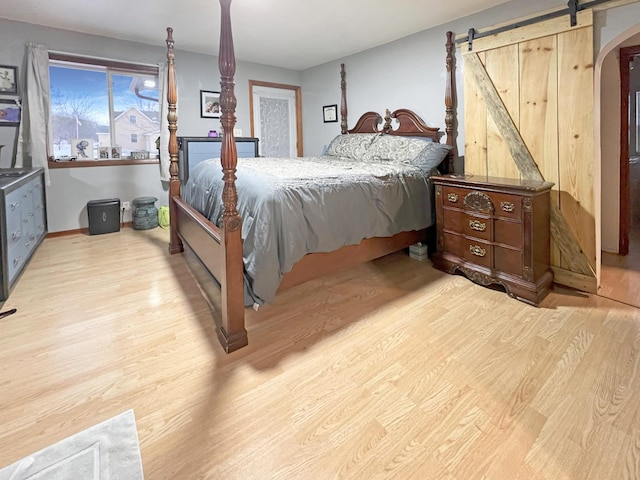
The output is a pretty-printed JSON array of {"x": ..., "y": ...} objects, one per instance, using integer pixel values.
[{"x": 89, "y": 89}]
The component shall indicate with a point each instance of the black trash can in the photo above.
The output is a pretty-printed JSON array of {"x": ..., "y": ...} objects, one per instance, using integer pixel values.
[
  {"x": 104, "y": 216},
  {"x": 145, "y": 213}
]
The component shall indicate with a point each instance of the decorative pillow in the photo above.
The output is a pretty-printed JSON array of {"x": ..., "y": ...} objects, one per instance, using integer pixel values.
[
  {"x": 395, "y": 148},
  {"x": 351, "y": 145},
  {"x": 432, "y": 155}
]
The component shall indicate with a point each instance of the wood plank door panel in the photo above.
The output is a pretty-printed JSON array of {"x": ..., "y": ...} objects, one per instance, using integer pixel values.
[
  {"x": 475, "y": 135},
  {"x": 539, "y": 111},
  {"x": 575, "y": 136},
  {"x": 502, "y": 66}
]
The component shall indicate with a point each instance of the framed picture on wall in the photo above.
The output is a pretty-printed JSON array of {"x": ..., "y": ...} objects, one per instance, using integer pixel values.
[
  {"x": 10, "y": 112},
  {"x": 8, "y": 80},
  {"x": 210, "y": 104},
  {"x": 330, "y": 113}
]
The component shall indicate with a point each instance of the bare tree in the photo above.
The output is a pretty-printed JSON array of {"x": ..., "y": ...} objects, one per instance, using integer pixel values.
[{"x": 72, "y": 115}]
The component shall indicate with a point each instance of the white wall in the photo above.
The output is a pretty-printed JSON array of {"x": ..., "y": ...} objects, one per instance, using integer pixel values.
[
  {"x": 408, "y": 73},
  {"x": 67, "y": 208},
  {"x": 71, "y": 189}
]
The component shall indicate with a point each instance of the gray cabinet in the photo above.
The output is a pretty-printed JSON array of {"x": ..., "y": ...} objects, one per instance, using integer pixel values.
[{"x": 23, "y": 223}]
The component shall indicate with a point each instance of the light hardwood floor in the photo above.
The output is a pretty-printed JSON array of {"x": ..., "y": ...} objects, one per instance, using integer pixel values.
[
  {"x": 620, "y": 274},
  {"x": 620, "y": 277},
  {"x": 392, "y": 370}
]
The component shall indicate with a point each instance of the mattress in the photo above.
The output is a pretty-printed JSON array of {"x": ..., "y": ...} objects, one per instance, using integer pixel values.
[{"x": 292, "y": 207}]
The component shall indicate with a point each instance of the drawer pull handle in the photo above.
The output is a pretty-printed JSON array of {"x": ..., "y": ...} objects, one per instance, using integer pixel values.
[
  {"x": 452, "y": 197},
  {"x": 507, "y": 206},
  {"x": 477, "y": 251},
  {"x": 477, "y": 225}
]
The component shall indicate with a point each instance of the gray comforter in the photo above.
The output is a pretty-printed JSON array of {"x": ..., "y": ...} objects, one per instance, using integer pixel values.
[{"x": 291, "y": 207}]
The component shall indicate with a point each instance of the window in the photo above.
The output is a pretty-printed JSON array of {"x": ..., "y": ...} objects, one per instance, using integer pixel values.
[{"x": 97, "y": 104}]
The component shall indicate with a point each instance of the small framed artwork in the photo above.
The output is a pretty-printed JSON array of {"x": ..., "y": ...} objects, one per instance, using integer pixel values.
[
  {"x": 116, "y": 153},
  {"x": 210, "y": 104},
  {"x": 9, "y": 112},
  {"x": 82, "y": 149},
  {"x": 8, "y": 80},
  {"x": 330, "y": 113},
  {"x": 103, "y": 153}
]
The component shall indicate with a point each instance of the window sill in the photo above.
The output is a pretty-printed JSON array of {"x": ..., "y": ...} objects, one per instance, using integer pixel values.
[{"x": 102, "y": 163}]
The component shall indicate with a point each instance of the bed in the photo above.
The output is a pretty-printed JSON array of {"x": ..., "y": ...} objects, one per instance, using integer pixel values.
[{"x": 213, "y": 213}]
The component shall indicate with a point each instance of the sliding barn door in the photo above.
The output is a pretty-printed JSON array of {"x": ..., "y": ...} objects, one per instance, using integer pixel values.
[{"x": 528, "y": 109}]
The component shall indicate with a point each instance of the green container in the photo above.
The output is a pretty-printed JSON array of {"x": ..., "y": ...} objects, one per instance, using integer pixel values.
[{"x": 145, "y": 213}]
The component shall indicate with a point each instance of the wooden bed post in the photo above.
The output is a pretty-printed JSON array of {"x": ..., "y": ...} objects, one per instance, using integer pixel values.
[
  {"x": 450, "y": 102},
  {"x": 343, "y": 101},
  {"x": 231, "y": 332},
  {"x": 175, "y": 245}
]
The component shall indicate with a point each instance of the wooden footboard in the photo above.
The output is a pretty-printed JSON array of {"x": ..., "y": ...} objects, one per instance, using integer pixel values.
[{"x": 207, "y": 243}]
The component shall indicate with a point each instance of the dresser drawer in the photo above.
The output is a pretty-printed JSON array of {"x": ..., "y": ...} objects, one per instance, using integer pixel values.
[
  {"x": 508, "y": 206},
  {"x": 480, "y": 253},
  {"x": 509, "y": 233},
  {"x": 453, "y": 196},
  {"x": 508, "y": 260},
  {"x": 470, "y": 249},
  {"x": 496, "y": 203},
  {"x": 472, "y": 225}
]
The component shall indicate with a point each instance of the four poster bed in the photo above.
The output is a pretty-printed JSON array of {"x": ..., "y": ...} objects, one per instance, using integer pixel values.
[{"x": 370, "y": 169}]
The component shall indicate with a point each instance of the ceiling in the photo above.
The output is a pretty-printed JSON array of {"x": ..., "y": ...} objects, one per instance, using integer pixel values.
[{"x": 294, "y": 34}]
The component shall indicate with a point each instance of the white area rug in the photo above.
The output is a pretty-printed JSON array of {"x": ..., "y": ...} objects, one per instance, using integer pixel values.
[{"x": 107, "y": 451}]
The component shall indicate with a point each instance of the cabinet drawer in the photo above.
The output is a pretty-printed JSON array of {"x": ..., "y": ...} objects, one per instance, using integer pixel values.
[
  {"x": 472, "y": 250},
  {"x": 453, "y": 196},
  {"x": 508, "y": 260},
  {"x": 496, "y": 203},
  {"x": 16, "y": 258},
  {"x": 509, "y": 233},
  {"x": 480, "y": 253},
  {"x": 508, "y": 206},
  {"x": 471, "y": 225}
]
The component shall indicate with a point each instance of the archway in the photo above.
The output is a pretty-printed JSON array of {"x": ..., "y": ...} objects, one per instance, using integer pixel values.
[{"x": 617, "y": 274}]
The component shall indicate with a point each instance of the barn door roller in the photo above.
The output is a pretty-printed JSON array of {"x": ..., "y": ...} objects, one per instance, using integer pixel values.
[{"x": 573, "y": 7}]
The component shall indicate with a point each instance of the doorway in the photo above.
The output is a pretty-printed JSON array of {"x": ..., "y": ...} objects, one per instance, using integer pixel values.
[
  {"x": 276, "y": 118},
  {"x": 629, "y": 150},
  {"x": 620, "y": 273}
]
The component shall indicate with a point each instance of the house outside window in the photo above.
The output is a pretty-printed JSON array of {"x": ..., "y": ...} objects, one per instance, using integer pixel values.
[{"x": 100, "y": 103}]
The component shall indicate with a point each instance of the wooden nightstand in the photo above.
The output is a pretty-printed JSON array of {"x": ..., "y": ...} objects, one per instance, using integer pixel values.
[{"x": 495, "y": 231}]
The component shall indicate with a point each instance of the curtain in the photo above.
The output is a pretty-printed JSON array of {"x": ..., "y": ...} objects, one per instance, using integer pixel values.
[
  {"x": 164, "y": 123},
  {"x": 274, "y": 127},
  {"x": 34, "y": 133}
]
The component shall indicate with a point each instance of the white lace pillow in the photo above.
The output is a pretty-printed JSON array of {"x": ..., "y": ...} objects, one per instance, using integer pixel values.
[{"x": 351, "y": 145}]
